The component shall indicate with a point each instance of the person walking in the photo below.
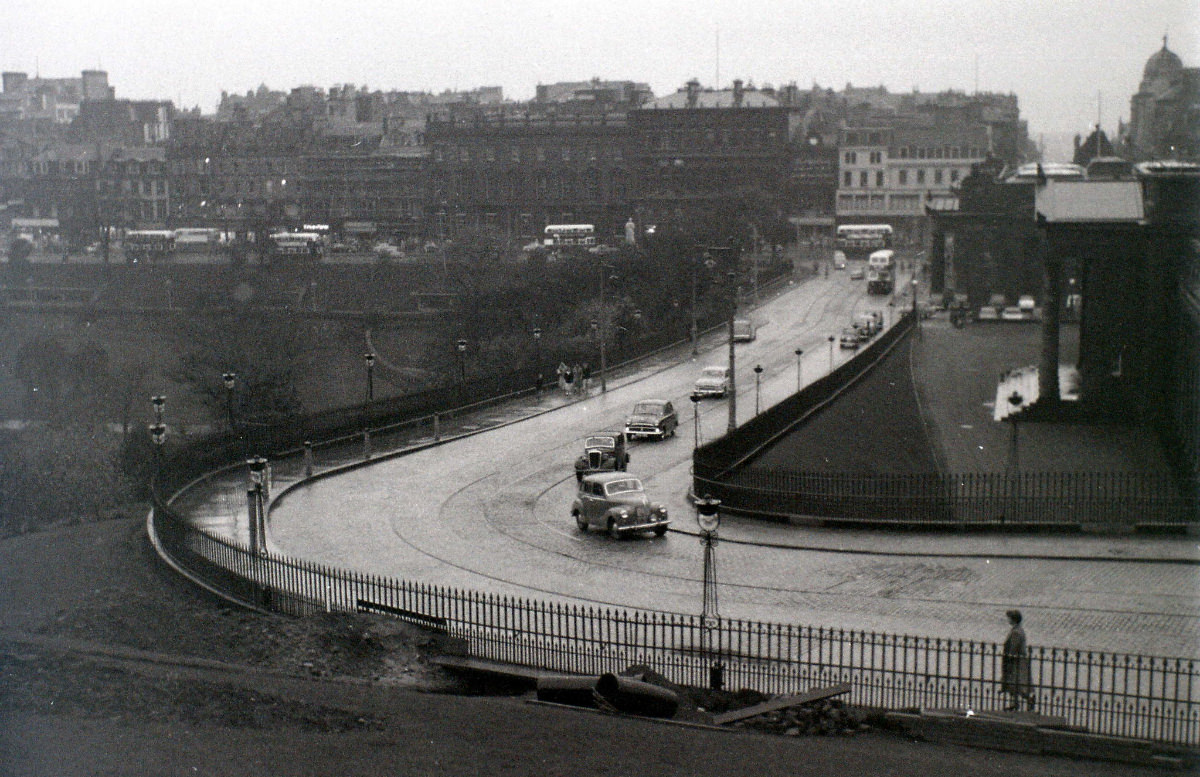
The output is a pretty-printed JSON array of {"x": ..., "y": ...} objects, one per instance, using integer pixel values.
[{"x": 1015, "y": 673}]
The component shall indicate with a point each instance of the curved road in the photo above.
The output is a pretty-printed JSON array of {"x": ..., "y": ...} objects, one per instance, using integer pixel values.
[{"x": 489, "y": 512}]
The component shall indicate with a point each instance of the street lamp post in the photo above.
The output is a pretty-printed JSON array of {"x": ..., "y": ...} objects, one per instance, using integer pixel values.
[
  {"x": 695, "y": 397},
  {"x": 256, "y": 502},
  {"x": 158, "y": 401},
  {"x": 600, "y": 331},
  {"x": 461, "y": 347},
  {"x": 230, "y": 381},
  {"x": 1014, "y": 461},
  {"x": 537, "y": 357},
  {"x": 758, "y": 370},
  {"x": 831, "y": 339},
  {"x": 158, "y": 435},
  {"x": 799, "y": 370},
  {"x": 733, "y": 301},
  {"x": 369, "y": 359},
  {"x": 708, "y": 518}
]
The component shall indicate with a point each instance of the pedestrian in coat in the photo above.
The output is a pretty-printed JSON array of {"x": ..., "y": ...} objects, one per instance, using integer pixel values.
[{"x": 1015, "y": 674}]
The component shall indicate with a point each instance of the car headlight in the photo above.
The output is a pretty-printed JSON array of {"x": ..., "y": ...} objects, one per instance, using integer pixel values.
[{"x": 623, "y": 513}]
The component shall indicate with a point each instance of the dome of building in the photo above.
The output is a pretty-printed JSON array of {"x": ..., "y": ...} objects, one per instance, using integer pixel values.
[{"x": 1163, "y": 62}]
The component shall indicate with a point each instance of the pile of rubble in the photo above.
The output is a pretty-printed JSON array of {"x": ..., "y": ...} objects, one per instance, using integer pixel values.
[{"x": 825, "y": 717}]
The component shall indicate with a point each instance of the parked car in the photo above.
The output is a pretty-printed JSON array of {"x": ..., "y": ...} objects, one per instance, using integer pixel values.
[
  {"x": 743, "y": 330},
  {"x": 617, "y": 503},
  {"x": 857, "y": 274},
  {"x": 602, "y": 452},
  {"x": 388, "y": 251},
  {"x": 850, "y": 338},
  {"x": 713, "y": 382},
  {"x": 839, "y": 260},
  {"x": 652, "y": 418},
  {"x": 1014, "y": 313}
]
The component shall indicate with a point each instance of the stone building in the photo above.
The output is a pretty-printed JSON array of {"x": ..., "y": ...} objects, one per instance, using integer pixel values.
[{"x": 1164, "y": 118}]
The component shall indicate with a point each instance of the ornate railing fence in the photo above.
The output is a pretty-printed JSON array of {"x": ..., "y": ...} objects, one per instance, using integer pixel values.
[{"x": 1145, "y": 697}]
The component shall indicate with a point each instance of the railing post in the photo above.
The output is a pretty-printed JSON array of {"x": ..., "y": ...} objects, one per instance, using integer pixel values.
[
  {"x": 437, "y": 432},
  {"x": 308, "y": 458}
]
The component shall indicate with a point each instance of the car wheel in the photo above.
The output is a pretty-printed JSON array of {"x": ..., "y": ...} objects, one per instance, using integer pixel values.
[
  {"x": 660, "y": 531},
  {"x": 580, "y": 523},
  {"x": 612, "y": 529}
]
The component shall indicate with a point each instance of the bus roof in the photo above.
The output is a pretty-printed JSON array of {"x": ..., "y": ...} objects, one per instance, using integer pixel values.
[
  {"x": 150, "y": 233},
  {"x": 885, "y": 253},
  {"x": 296, "y": 236},
  {"x": 566, "y": 227},
  {"x": 864, "y": 227}
]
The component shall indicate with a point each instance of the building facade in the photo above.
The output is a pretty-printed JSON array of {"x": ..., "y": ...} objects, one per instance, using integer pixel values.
[{"x": 1164, "y": 118}]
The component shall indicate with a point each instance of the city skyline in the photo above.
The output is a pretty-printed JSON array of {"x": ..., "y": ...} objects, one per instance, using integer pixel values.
[{"x": 1060, "y": 62}]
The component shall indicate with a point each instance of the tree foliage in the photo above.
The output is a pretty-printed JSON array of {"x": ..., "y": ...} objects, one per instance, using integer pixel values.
[{"x": 268, "y": 353}]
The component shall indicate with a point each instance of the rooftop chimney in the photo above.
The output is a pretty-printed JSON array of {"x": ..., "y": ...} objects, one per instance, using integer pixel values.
[
  {"x": 739, "y": 93},
  {"x": 693, "y": 93}
]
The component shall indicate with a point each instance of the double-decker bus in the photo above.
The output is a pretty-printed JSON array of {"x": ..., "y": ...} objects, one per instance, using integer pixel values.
[
  {"x": 148, "y": 244},
  {"x": 296, "y": 244},
  {"x": 881, "y": 271},
  {"x": 558, "y": 235},
  {"x": 856, "y": 241}
]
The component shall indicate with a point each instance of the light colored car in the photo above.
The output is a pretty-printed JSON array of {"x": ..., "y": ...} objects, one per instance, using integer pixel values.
[
  {"x": 743, "y": 330},
  {"x": 857, "y": 274},
  {"x": 652, "y": 418},
  {"x": 839, "y": 260},
  {"x": 713, "y": 382},
  {"x": 617, "y": 503},
  {"x": 851, "y": 337}
]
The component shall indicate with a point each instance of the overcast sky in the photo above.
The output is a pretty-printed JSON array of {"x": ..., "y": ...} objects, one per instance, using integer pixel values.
[{"x": 1066, "y": 60}]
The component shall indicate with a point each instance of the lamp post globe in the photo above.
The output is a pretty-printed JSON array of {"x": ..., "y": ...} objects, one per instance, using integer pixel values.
[{"x": 708, "y": 514}]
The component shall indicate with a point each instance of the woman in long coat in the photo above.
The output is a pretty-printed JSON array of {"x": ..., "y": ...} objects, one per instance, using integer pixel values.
[{"x": 1015, "y": 673}]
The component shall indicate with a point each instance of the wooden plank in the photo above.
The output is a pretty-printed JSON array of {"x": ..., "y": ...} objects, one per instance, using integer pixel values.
[{"x": 782, "y": 703}]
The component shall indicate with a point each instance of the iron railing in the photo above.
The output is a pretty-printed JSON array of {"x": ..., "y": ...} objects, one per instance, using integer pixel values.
[
  {"x": 980, "y": 499},
  {"x": 1144, "y": 697}
]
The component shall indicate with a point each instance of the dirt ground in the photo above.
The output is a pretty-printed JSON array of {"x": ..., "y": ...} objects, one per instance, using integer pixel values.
[{"x": 112, "y": 665}]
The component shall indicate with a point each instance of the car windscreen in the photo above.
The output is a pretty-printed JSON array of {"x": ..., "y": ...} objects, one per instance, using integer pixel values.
[
  {"x": 626, "y": 486},
  {"x": 600, "y": 442},
  {"x": 647, "y": 408},
  {"x": 713, "y": 372}
]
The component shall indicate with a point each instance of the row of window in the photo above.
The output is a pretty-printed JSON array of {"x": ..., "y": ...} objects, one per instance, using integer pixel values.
[
  {"x": 916, "y": 152},
  {"x": 918, "y": 177},
  {"x": 748, "y": 137},
  {"x": 879, "y": 203},
  {"x": 517, "y": 154}
]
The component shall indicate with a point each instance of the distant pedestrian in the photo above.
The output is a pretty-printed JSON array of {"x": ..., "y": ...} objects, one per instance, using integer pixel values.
[
  {"x": 1015, "y": 673},
  {"x": 537, "y": 383},
  {"x": 569, "y": 381},
  {"x": 585, "y": 372}
]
